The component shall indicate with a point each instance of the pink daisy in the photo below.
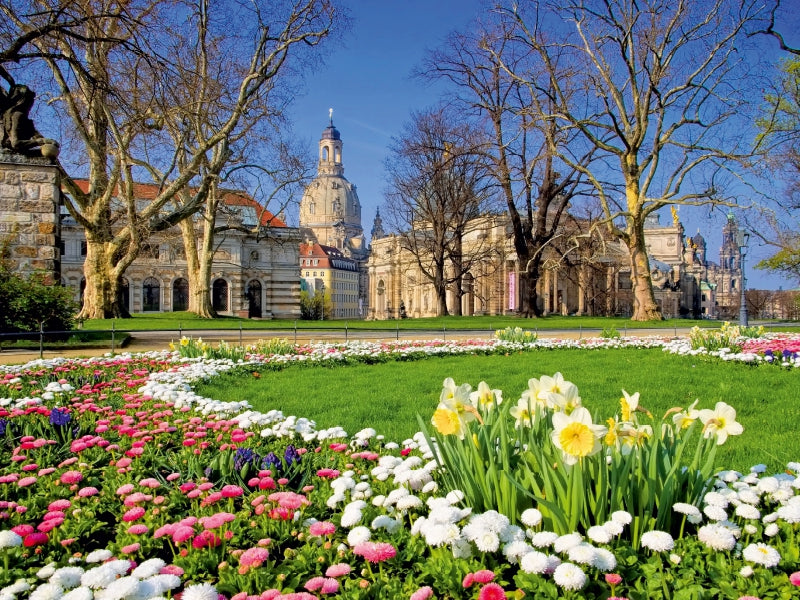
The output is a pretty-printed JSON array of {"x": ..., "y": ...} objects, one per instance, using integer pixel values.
[
  {"x": 137, "y": 512},
  {"x": 70, "y": 477},
  {"x": 492, "y": 591},
  {"x": 422, "y": 593},
  {"x": 253, "y": 557},
  {"x": 321, "y": 528},
  {"x": 375, "y": 552},
  {"x": 338, "y": 570}
]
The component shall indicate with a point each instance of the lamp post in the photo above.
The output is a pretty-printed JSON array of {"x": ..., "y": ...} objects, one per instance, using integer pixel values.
[{"x": 742, "y": 237}]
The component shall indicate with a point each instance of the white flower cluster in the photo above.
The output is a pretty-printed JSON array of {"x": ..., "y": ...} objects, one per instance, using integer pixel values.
[
  {"x": 112, "y": 580},
  {"x": 683, "y": 347}
]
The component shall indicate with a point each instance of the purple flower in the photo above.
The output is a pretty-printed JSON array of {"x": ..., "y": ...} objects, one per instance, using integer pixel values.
[{"x": 60, "y": 417}]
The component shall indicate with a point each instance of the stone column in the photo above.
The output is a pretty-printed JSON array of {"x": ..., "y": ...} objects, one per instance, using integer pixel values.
[
  {"x": 581, "y": 290},
  {"x": 546, "y": 293},
  {"x": 29, "y": 215}
]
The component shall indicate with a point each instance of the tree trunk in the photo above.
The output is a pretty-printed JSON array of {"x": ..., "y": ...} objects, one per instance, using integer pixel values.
[
  {"x": 645, "y": 307},
  {"x": 441, "y": 291},
  {"x": 198, "y": 268},
  {"x": 529, "y": 296},
  {"x": 101, "y": 298}
]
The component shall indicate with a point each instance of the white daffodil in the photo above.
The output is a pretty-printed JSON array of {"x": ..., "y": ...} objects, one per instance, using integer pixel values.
[
  {"x": 684, "y": 419},
  {"x": 575, "y": 434},
  {"x": 485, "y": 398},
  {"x": 524, "y": 412},
  {"x": 720, "y": 422}
]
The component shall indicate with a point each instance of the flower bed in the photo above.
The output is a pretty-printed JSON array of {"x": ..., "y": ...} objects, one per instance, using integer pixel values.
[
  {"x": 774, "y": 348},
  {"x": 117, "y": 481}
]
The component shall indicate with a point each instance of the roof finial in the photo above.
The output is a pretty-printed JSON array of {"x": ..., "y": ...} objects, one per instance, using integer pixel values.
[{"x": 330, "y": 115}]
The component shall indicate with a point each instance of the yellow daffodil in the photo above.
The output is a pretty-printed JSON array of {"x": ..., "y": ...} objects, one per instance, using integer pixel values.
[
  {"x": 448, "y": 422},
  {"x": 720, "y": 422},
  {"x": 575, "y": 435}
]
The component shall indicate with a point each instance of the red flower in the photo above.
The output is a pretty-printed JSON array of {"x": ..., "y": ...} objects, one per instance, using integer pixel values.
[{"x": 35, "y": 539}]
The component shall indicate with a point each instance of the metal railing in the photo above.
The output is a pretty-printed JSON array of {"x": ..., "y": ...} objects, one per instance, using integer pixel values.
[{"x": 116, "y": 337}]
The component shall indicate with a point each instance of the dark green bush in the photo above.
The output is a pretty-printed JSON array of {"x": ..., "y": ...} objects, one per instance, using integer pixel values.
[{"x": 26, "y": 304}]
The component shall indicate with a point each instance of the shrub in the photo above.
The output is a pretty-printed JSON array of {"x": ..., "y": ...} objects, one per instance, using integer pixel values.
[{"x": 27, "y": 303}]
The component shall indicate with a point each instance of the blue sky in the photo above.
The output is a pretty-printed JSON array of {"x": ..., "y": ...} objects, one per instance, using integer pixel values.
[{"x": 367, "y": 81}]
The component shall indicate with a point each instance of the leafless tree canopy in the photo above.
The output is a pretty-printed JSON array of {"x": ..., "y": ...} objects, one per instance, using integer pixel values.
[
  {"x": 438, "y": 187},
  {"x": 659, "y": 87},
  {"x": 166, "y": 91}
]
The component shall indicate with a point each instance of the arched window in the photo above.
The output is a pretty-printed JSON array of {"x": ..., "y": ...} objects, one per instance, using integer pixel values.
[
  {"x": 325, "y": 152},
  {"x": 338, "y": 155},
  {"x": 124, "y": 295},
  {"x": 254, "y": 299},
  {"x": 151, "y": 295},
  {"x": 219, "y": 295},
  {"x": 180, "y": 294}
]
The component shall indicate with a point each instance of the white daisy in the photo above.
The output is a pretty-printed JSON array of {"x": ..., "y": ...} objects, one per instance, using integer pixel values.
[
  {"x": 762, "y": 554},
  {"x": 598, "y": 534},
  {"x": 657, "y": 541},
  {"x": 531, "y": 517},
  {"x": 565, "y": 542},
  {"x": 47, "y": 591},
  {"x": 716, "y": 537},
  {"x": 201, "y": 591},
  {"x": 569, "y": 576},
  {"x": 67, "y": 577},
  {"x": 604, "y": 560},
  {"x": 358, "y": 535},
  {"x": 534, "y": 562}
]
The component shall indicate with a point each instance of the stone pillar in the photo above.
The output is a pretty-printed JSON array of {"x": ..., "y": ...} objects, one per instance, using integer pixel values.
[
  {"x": 546, "y": 294},
  {"x": 29, "y": 215},
  {"x": 581, "y": 290}
]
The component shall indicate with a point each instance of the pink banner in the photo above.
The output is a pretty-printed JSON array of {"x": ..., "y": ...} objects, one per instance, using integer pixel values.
[{"x": 512, "y": 291}]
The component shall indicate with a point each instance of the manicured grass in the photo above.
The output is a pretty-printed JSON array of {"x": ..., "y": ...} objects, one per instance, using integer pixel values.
[
  {"x": 388, "y": 396},
  {"x": 75, "y": 340},
  {"x": 188, "y": 321}
]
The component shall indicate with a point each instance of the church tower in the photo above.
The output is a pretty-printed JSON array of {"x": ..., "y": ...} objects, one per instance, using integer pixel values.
[
  {"x": 330, "y": 212},
  {"x": 330, "y": 225}
]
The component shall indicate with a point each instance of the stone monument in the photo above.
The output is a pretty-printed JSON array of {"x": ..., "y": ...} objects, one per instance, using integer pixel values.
[{"x": 29, "y": 190}]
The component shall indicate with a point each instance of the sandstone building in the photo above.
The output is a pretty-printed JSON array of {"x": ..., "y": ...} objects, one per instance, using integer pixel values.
[
  {"x": 254, "y": 274},
  {"x": 585, "y": 276}
]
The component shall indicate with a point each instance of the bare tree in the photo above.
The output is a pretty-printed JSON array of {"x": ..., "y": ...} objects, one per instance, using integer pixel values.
[
  {"x": 438, "y": 189},
  {"x": 276, "y": 187},
  {"x": 656, "y": 85},
  {"x": 535, "y": 183},
  {"x": 134, "y": 116}
]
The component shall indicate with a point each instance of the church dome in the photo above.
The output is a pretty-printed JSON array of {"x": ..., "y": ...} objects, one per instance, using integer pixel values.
[
  {"x": 330, "y": 208},
  {"x": 331, "y": 133}
]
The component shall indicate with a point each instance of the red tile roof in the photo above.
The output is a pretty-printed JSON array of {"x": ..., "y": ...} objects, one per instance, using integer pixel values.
[{"x": 148, "y": 191}]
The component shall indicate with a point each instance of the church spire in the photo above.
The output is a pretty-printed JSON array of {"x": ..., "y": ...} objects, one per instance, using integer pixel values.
[
  {"x": 377, "y": 226},
  {"x": 330, "y": 150}
]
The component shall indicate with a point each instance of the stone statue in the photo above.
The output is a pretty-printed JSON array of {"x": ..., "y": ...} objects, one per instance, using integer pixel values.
[{"x": 19, "y": 135}]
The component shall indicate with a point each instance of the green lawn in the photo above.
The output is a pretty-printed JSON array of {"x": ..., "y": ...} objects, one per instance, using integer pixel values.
[
  {"x": 188, "y": 321},
  {"x": 389, "y": 396}
]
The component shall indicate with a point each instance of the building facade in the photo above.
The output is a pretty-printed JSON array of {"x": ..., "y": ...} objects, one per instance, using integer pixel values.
[
  {"x": 331, "y": 232},
  {"x": 253, "y": 275},
  {"x": 584, "y": 275}
]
